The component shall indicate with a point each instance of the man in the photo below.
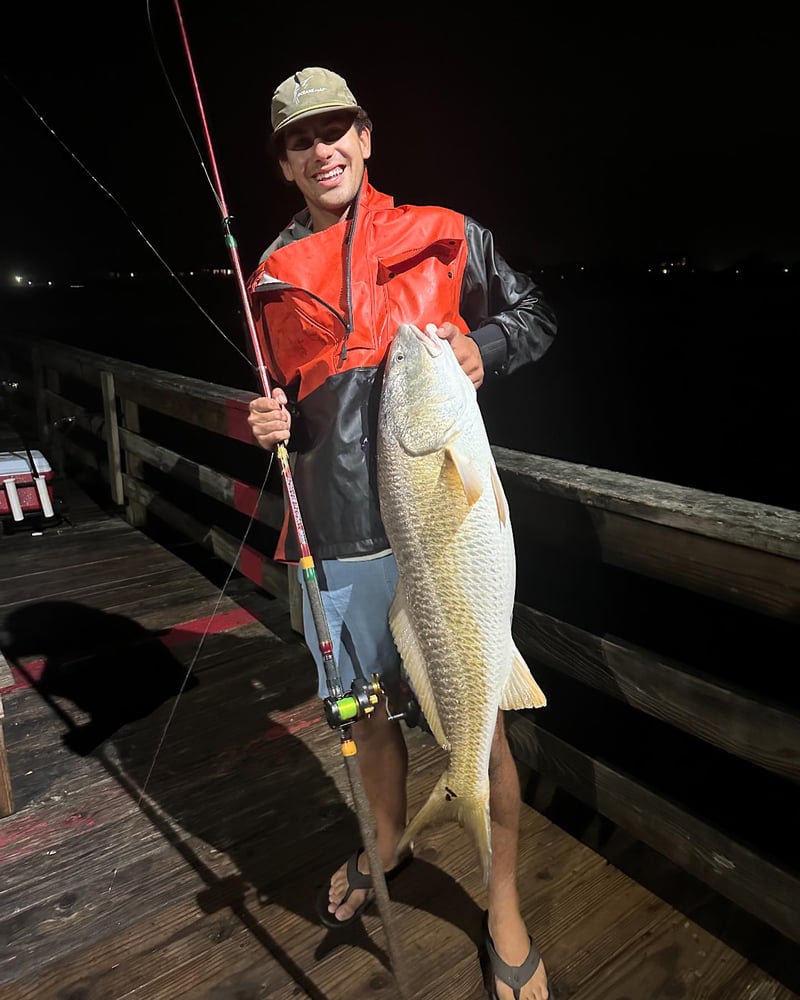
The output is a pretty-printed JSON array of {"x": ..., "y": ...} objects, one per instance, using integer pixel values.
[{"x": 327, "y": 297}]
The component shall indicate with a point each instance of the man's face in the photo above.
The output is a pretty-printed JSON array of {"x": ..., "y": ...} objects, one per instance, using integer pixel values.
[{"x": 325, "y": 158}]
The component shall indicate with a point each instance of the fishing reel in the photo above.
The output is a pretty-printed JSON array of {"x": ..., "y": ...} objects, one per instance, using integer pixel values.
[
  {"x": 363, "y": 700},
  {"x": 360, "y": 702}
]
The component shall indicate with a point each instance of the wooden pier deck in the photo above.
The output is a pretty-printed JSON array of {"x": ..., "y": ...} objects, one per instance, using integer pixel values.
[{"x": 178, "y": 797}]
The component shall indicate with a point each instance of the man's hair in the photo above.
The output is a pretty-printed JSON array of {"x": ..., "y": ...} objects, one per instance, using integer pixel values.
[{"x": 278, "y": 140}]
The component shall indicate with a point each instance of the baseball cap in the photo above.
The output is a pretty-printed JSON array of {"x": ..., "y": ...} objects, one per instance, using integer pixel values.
[{"x": 310, "y": 91}]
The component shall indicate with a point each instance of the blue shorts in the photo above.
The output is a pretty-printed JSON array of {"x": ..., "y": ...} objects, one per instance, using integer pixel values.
[{"x": 356, "y": 596}]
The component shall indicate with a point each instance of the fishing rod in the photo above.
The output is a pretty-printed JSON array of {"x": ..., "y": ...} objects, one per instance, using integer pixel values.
[{"x": 341, "y": 709}]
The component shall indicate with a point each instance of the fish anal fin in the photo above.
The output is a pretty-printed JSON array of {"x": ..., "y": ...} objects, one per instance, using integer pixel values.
[
  {"x": 466, "y": 473},
  {"x": 521, "y": 689},
  {"x": 414, "y": 665}
]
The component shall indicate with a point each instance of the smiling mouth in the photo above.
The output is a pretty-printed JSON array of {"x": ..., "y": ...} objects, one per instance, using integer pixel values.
[{"x": 329, "y": 175}]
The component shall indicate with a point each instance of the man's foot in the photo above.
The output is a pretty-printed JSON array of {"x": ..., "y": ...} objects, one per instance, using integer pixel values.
[
  {"x": 515, "y": 970},
  {"x": 348, "y": 894}
]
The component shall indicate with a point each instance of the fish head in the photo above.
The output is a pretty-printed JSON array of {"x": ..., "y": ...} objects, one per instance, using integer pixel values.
[{"x": 427, "y": 399}]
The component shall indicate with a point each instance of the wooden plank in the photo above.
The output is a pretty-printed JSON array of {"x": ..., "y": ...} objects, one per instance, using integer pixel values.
[
  {"x": 748, "y": 983},
  {"x": 253, "y": 564},
  {"x": 740, "y": 575},
  {"x": 134, "y": 512},
  {"x": 740, "y": 522},
  {"x": 73, "y": 580},
  {"x": 111, "y": 435},
  {"x": 733, "y": 869},
  {"x": 744, "y": 576},
  {"x": 218, "y": 409},
  {"x": 752, "y": 729},
  {"x": 239, "y": 496}
]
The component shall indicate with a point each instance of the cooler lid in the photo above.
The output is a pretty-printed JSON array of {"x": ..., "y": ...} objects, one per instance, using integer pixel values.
[{"x": 15, "y": 463}]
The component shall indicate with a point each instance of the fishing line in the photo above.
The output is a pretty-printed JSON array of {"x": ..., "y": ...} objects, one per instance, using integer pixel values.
[
  {"x": 210, "y": 319},
  {"x": 201, "y": 643},
  {"x": 183, "y": 117},
  {"x": 126, "y": 214}
]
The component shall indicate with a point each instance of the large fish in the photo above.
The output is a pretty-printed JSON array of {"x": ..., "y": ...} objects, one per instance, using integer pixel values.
[{"x": 447, "y": 519}]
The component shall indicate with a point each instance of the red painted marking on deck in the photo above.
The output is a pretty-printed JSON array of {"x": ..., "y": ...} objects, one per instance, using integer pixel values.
[
  {"x": 212, "y": 625},
  {"x": 24, "y": 676},
  {"x": 31, "y": 672},
  {"x": 79, "y": 819},
  {"x": 289, "y": 729},
  {"x": 19, "y": 830}
]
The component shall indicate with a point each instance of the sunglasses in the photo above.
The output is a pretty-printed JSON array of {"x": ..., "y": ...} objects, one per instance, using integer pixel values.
[{"x": 327, "y": 134}]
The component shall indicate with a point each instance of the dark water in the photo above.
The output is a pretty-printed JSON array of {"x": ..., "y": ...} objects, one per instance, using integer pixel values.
[{"x": 688, "y": 378}]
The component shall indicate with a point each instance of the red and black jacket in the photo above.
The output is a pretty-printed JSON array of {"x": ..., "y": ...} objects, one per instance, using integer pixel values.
[{"x": 326, "y": 307}]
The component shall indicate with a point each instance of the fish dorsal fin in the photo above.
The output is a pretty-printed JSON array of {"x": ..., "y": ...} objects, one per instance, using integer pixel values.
[
  {"x": 467, "y": 474},
  {"x": 415, "y": 666},
  {"x": 521, "y": 690},
  {"x": 499, "y": 497}
]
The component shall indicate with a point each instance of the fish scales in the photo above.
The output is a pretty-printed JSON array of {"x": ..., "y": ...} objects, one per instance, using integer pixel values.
[{"x": 447, "y": 519}]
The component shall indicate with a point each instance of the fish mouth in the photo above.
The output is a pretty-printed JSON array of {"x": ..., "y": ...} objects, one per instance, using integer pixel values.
[
  {"x": 427, "y": 338},
  {"x": 430, "y": 340}
]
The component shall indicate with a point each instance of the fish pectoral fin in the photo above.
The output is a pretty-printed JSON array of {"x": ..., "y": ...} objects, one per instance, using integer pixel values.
[
  {"x": 466, "y": 473},
  {"x": 521, "y": 689},
  {"x": 414, "y": 664},
  {"x": 499, "y": 497}
]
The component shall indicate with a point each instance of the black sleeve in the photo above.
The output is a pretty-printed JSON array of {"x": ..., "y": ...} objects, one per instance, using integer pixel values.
[{"x": 507, "y": 316}]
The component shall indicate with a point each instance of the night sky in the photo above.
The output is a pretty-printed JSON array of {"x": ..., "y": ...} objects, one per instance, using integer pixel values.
[{"x": 589, "y": 141}]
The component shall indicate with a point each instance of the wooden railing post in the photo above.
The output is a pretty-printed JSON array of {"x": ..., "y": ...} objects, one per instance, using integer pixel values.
[
  {"x": 135, "y": 512},
  {"x": 112, "y": 438}
]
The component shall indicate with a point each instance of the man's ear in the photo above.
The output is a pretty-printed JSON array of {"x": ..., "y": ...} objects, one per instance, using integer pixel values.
[
  {"x": 286, "y": 170},
  {"x": 365, "y": 138}
]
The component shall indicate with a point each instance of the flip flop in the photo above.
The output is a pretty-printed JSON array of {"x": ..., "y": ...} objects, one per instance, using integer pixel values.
[
  {"x": 514, "y": 976},
  {"x": 355, "y": 880}
]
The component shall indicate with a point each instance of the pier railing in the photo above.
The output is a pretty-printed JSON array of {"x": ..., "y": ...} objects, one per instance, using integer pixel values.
[{"x": 660, "y": 620}]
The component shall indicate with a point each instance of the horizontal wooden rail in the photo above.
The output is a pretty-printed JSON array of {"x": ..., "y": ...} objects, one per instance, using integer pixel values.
[
  {"x": 251, "y": 563},
  {"x": 712, "y": 515},
  {"x": 737, "y": 551},
  {"x": 764, "y": 734},
  {"x": 240, "y": 496}
]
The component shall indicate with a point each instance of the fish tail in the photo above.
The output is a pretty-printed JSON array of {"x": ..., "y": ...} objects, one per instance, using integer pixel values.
[{"x": 446, "y": 804}]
